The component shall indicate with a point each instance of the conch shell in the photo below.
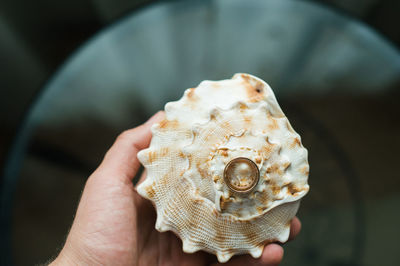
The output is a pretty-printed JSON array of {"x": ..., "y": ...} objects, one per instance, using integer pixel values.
[{"x": 225, "y": 169}]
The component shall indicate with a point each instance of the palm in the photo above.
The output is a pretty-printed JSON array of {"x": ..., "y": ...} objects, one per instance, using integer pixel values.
[
  {"x": 155, "y": 248},
  {"x": 118, "y": 225}
]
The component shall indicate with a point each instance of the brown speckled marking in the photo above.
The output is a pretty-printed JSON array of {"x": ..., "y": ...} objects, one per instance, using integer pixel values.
[
  {"x": 215, "y": 212},
  {"x": 286, "y": 165},
  {"x": 190, "y": 93},
  {"x": 293, "y": 190},
  {"x": 224, "y": 152},
  {"x": 247, "y": 119},
  {"x": 216, "y": 178},
  {"x": 226, "y": 125},
  {"x": 198, "y": 200},
  {"x": 252, "y": 94},
  {"x": 263, "y": 198},
  {"x": 305, "y": 170},
  {"x": 150, "y": 191},
  {"x": 289, "y": 223},
  {"x": 266, "y": 177},
  {"x": 255, "y": 92},
  {"x": 275, "y": 168},
  {"x": 169, "y": 124},
  {"x": 273, "y": 125},
  {"x": 213, "y": 116},
  {"x": 230, "y": 252},
  {"x": 230, "y": 219},
  {"x": 208, "y": 136},
  {"x": 260, "y": 209},
  {"x": 274, "y": 188},
  {"x": 245, "y": 77},
  {"x": 191, "y": 224},
  {"x": 242, "y": 107},
  {"x": 222, "y": 203},
  {"x": 152, "y": 156},
  {"x": 259, "y": 87},
  {"x": 189, "y": 156},
  {"x": 237, "y": 212},
  {"x": 251, "y": 235},
  {"x": 164, "y": 180},
  {"x": 296, "y": 142},
  {"x": 187, "y": 223},
  {"x": 267, "y": 149},
  {"x": 181, "y": 154},
  {"x": 203, "y": 172},
  {"x": 164, "y": 151},
  {"x": 258, "y": 159},
  {"x": 219, "y": 235}
]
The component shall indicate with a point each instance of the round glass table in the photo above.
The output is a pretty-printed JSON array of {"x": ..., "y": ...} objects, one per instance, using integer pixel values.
[{"x": 319, "y": 63}]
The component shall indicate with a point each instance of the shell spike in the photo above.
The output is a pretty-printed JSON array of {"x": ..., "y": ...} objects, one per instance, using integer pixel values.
[
  {"x": 224, "y": 256},
  {"x": 188, "y": 246},
  {"x": 161, "y": 226},
  {"x": 257, "y": 252}
]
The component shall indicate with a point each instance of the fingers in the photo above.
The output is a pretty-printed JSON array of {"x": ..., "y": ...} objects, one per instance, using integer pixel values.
[
  {"x": 295, "y": 228},
  {"x": 121, "y": 159},
  {"x": 272, "y": 255}
]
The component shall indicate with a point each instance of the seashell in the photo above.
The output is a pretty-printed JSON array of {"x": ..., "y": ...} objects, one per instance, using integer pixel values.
[{"x": 225, "y": 169}]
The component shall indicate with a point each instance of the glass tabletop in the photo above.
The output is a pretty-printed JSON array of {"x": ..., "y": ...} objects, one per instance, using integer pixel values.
[{"x": 327, "y": 70}]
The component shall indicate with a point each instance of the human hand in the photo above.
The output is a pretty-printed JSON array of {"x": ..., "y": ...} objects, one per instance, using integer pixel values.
[{"x": 115, "y": 226}]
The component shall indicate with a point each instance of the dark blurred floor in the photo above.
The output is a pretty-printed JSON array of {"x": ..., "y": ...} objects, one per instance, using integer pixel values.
[{"x": 36, "y": 37}]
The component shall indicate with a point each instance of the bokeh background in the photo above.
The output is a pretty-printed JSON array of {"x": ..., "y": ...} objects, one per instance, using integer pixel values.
[{"x": 73, "y": 74}]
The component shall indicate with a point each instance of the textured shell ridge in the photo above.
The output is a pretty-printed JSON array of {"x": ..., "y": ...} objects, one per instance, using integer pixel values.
[{"x": 210, "y": 126}]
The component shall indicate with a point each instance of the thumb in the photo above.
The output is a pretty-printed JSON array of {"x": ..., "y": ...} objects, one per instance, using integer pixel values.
[{"x": 121, "y": 159}]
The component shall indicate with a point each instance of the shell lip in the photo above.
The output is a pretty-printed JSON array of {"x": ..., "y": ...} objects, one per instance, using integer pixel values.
[{"x": 255, "y": 172}]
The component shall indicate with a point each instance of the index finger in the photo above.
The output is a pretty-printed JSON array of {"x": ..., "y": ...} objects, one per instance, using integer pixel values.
[{"x": 295, "y": 227}]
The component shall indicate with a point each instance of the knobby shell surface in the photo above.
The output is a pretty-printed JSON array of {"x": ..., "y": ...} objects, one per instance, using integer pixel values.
[{"x": 209, "y": 127}]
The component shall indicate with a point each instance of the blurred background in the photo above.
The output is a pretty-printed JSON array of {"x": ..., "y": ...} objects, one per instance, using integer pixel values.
[{"x": 73, "y": 74}]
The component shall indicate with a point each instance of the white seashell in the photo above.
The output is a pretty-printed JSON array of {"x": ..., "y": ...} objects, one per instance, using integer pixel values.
[{"x": 211, "y": 206}]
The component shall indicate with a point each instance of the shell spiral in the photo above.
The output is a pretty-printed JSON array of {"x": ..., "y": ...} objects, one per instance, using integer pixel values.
[{"x": 204, "y": 133}]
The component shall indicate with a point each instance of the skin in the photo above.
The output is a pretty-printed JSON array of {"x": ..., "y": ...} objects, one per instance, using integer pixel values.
[{"x": 115, "y": 226}]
